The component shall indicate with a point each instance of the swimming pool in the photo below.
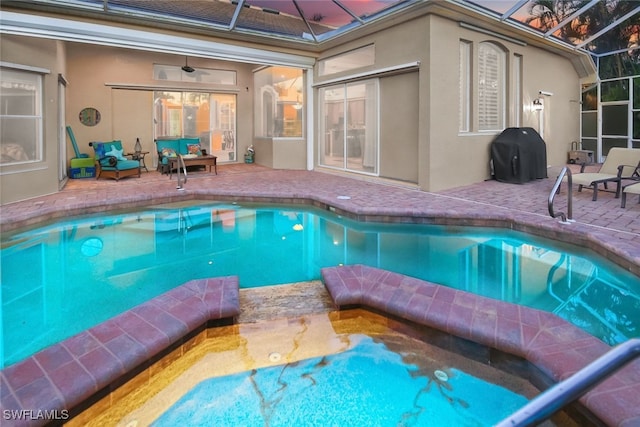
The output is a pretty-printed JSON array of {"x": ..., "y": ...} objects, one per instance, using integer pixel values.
[
  {"x": 60, "y": 279},
  {"x": 358, "y": 368},
  {"x": 368, "y": 384}
]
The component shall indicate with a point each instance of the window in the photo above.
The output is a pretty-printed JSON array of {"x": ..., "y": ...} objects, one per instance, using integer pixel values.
[
  {"x": 208, "y": 116},
  {"x": 279, "y": 106},
  {"x": 491, "y": 87},
  {"x": 20, "y": 116},
  {"x": 465, "y": 87},
  {"x": 357, "y": 58},
  {"x": 349, "y": 126}
]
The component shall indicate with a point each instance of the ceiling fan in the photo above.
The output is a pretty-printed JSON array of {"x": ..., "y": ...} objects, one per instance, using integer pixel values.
[{"x": 186, "y": 68}]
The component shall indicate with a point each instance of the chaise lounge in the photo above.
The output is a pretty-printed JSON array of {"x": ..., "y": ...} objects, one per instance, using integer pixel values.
[
  {"x": 620, "y": 164},
  {"x": 633, "y": 188}
]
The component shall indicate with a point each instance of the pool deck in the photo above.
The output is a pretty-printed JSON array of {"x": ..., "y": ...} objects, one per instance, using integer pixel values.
[{"x": 601, "y": 225}]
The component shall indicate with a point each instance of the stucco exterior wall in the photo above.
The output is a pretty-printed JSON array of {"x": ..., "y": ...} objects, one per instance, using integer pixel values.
[
  {"x": 419, "y": 134},
  {"x": 127, "y": 113},
  {"x": 20, "y": 182},
  {"x": 402, "y": 128},
  {"x": 469, "y": 152},
  {"x": 399, "y": 120},
  {"x": 419, "y": 111}
]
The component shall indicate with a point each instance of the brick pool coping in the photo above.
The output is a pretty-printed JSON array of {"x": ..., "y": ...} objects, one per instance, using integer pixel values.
[
  {"x": 367, "y": 202},
  {"x": 68, "y": 373},
  {"x": 556, "y": 347}
]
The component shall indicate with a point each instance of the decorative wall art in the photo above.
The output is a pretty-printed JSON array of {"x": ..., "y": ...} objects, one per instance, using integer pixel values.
[{"x": 89, "y": 116}]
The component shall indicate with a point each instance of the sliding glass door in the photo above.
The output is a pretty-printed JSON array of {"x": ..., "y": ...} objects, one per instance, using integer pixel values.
[
  {"x": 349, "y": 127},
  {"x": 208, "y": 116}
]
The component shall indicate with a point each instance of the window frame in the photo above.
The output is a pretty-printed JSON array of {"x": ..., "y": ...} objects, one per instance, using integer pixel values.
[
  {"x": 347, "y": 126},
  {"x": 358, "y": 58},
  {"x": 465, "y": 86},
  {"x": 279, "y": 107},
  {"x": 39, "y": 74},
  {"x": 488, "y": 121}
]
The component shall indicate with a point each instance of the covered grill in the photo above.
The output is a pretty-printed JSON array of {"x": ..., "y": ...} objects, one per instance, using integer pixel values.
[{"x": 519, "y": 155}]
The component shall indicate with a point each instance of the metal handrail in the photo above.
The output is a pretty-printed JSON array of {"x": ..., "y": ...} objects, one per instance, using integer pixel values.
[
  {"x": 556, "y": 189},
  {"x": 565, "y": 392},
  {"x": 552, "y": 272},
  {"x": 184, "y": 168}
]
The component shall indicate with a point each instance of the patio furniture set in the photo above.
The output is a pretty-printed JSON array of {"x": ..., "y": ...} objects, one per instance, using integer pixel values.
[{"x": 110, "y": 160}]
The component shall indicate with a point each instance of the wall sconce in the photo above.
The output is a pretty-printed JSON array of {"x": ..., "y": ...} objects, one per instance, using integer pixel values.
[{"x": 538, "y": 105}]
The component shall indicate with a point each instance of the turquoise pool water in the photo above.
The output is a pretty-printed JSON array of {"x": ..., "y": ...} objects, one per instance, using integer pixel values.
[
  {"x": 63, "y": 278},
  {"x": 367, "y": 385}
]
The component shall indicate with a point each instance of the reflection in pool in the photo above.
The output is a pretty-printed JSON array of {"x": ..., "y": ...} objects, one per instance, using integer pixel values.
[{"x": 60, "y": 279}]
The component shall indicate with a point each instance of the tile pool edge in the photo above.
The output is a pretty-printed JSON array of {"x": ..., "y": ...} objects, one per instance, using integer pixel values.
[
  {"x": 556, "y": 347},
  {"x": 67, "y": 374},
  {"x": 617, "y": 249}
]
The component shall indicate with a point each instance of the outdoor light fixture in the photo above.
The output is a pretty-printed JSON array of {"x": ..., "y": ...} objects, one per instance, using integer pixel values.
[{"x": 538, "y": 105}]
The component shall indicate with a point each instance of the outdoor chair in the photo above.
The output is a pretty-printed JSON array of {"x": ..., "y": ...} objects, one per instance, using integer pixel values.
[
  {"x": 82, "y": 165},
  {"x": 620, "y": 164},
  {"x": 630, "y": 189},
  {"x": 111, "y": 162},
  {"x": 633, "y": 188}
]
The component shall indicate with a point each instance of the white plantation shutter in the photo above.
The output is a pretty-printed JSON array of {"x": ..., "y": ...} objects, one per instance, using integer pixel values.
[{"x": 491, "y": 87}]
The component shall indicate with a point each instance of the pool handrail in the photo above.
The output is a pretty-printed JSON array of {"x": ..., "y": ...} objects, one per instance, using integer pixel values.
[
  {"x": 563, "y": 393},
  {"x": 568, "y": 217},
  {"x": 184, "y": 168}
]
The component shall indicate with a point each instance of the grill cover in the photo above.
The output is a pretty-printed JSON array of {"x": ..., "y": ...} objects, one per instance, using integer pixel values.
[{"x": 519, "y": 155}]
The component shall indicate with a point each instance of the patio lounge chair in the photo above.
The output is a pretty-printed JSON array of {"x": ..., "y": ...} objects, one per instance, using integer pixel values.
[
  {"x": 620, "y": 164},
  {"x": 630, "y": 189},
  {"x": 633, "y": 188}
]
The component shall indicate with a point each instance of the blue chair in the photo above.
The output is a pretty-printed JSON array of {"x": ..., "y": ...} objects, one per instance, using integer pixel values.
[{"x": 111, "y": 162}]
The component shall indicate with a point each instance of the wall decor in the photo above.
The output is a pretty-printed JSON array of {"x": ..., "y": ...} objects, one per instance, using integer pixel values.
[{"x": 89, "y": 116}]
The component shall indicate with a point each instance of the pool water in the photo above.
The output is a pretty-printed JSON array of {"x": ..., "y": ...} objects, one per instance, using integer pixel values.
[
  {"x": 347, "y": 368},
  {"x": 366, "y": 385},
  {"x": 63, "y": 278}
]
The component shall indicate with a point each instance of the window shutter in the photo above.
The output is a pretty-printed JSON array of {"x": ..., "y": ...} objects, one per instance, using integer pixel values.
[{"x": 491, "y": 65}]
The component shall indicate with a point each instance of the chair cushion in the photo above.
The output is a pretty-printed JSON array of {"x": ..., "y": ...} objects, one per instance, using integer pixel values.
[
  {"x": 588, "y": 177},
  {"x": 169, "y": 152},
  {"x": 173, "y": 144},
  {"x": 632, "y": 189},
  {"x": 127, "y": 164},
  {"x": 110, "y": 148},
  {"x": 186, "y": 142},
  {"x": 122, "y": 165},
  {"x": 115, "y": 152},
  {"x": 82, "y": 162},
  {"x": 194, "y": 149}
]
